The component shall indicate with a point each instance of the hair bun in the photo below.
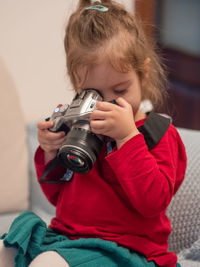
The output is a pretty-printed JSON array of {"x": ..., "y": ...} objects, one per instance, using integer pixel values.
[
  {"x": 95, "y": 1},
  {"x": 84, "y": 3}
]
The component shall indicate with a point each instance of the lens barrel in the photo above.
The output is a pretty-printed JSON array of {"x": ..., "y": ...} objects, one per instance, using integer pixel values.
[{"x": 80, "y": 150}]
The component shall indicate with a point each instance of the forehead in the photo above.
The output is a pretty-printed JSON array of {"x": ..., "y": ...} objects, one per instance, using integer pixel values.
[
  {"x": 114, "y": 55},
  {"x": 102, "y": 75}
]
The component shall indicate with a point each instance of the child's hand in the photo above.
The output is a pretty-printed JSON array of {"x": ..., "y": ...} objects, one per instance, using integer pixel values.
[
  {"x": 50, "y": 142},
  {"x": 114, "y": 121}
]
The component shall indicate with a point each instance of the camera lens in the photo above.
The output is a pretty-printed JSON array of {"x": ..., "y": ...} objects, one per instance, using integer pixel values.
[
  {"x": 80, "y": 150},
  {"x": 75, "y": 160}
]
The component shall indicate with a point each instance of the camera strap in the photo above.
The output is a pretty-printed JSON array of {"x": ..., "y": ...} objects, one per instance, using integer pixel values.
[
  {"x": 50, "y": 167},
  {"x": 153, "y": 130}
]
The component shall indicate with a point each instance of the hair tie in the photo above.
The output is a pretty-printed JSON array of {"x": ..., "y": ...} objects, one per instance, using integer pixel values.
[
  {"x": 97, "y": 7},
  {"x": 94, "y": 1}
]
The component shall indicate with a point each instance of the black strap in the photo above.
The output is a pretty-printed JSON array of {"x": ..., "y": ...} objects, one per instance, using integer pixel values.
[
  {"x": 154, "y": 129},
  {"x": 50, "y": 167}
]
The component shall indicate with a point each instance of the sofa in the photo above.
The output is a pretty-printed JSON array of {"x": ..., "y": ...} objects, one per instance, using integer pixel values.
[{"x": 20, "y": 190}]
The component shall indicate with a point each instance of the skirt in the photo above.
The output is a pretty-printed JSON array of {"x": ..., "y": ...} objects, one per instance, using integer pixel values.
[{"x": 30, "y": 236}]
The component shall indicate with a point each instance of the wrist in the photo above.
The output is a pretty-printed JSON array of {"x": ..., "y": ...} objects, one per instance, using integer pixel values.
[
  {"x": 49, "y": 156},
  {"x": 121, "y": 142}
]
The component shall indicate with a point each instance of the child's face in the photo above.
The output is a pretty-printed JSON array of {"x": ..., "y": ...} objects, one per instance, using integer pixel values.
[{"x": 113, "y": 84}]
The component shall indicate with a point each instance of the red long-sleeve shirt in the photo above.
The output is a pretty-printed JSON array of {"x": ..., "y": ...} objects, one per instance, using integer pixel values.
[{"x": 124, "y": 197}]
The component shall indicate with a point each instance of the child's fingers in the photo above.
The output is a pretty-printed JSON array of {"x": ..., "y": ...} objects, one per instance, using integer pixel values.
[
  {"x": 49, "y": 145},
  {"x": 44, "y": 125},
  {"x": 122, "y": 102},
  {"x": 57, "y": 141},
  {"x": 97, "y": 124},
  {"x": 105, "y": 106},
  {"x": 50, "y": 136},
  {"x": 98, "y": 115}
]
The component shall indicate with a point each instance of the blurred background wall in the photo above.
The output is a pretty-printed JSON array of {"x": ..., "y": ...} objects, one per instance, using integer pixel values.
[
  {"x": 174, "y": 25},
  {"x": 31, "y": 48}
]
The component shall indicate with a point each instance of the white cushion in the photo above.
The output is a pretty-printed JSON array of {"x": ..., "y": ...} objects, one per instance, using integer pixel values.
[{"x": 13, "y": 148}]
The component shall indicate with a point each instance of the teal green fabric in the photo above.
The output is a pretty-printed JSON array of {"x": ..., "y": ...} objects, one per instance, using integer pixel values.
[{"x": 30, "y": 236}]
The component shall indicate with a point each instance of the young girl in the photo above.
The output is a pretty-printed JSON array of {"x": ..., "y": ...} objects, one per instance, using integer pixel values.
[{"x": 114, "y": 215}]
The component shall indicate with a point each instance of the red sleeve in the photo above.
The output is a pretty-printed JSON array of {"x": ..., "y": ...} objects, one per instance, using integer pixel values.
[
  {"x": 51, "y": 191},
  {"x": 150, "y": 178}
]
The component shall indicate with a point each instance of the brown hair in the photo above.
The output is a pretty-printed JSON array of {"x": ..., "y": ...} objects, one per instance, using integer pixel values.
[{"x": 116, "y": 35}]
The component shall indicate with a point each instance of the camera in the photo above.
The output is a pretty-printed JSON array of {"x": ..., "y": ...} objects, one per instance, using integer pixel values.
[{"x": 81, "y": 147}]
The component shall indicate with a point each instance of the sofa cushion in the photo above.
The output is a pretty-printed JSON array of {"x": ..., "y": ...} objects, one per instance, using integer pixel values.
[
  {"x": 6, "y": 220},
  {"x": 13, "y": 148},
  {"x": 38, "y": 201},
  {"x": 184, "y": 209}
]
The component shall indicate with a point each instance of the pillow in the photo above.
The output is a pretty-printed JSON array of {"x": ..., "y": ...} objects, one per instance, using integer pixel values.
[
  {"x": 13, "y": 148},
  {"x": 184, "y": 209}
]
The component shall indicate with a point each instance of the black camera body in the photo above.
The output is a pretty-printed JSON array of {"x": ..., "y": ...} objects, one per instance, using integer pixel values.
[{"x": 81, "y": 147}]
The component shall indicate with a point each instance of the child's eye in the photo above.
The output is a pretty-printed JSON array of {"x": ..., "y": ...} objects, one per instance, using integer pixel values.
[{"x": 119, "y": 92}]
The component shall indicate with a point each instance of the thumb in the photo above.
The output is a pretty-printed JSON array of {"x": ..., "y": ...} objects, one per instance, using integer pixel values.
[{"x": 44, "y": 125}]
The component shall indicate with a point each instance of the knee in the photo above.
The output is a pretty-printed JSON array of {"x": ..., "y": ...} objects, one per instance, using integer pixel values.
[
  {"x": 7, "y": 255},
  {"x": 1, "y": 245},
  {"x": 50, "y": 259}
]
